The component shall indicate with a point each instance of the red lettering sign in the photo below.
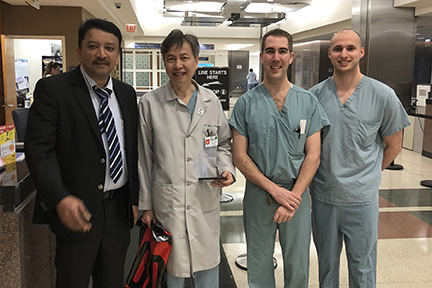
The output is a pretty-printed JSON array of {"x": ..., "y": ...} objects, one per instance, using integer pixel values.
[{"x": 131, "y": 28}]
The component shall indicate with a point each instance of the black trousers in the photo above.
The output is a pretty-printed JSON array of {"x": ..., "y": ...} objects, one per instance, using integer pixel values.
[{"x": 100, "y": 254}]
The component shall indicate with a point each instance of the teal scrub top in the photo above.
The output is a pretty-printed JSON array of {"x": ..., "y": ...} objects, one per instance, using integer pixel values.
[
  {"x": 275, "y": 143},
  {"x": 352, "y": 151},
  {"x": 192, "y": 102}
]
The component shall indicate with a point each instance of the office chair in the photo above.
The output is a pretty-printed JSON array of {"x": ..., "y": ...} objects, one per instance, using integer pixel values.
[{"x": 20, "y": 120}]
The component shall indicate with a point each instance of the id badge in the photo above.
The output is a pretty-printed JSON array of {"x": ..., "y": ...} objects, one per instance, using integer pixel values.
[{"x": 211, "y": 141}]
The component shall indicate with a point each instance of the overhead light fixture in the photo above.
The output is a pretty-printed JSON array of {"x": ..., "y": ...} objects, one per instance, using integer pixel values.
[{"x": 33, "y": 3}]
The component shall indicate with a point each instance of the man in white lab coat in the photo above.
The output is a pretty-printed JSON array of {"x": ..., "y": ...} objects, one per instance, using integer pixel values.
[{"x": 184, "y": 136}]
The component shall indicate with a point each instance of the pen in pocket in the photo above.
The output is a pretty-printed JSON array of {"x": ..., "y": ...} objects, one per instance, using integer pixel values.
[{"x": 297, "y": 131}]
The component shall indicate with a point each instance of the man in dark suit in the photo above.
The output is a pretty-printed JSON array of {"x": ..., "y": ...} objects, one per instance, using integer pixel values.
[{"x": 81, "y": 149}]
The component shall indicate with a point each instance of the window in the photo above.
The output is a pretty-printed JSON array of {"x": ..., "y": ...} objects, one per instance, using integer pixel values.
[{"x": 144, "y": 69}]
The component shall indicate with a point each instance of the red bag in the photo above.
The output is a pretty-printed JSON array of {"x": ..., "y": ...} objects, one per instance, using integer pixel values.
[{"x": 148, "y": 268}]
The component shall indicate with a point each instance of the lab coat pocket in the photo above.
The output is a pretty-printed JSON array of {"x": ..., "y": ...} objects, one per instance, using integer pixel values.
[
  {"x": 367, "y": 133},
  {"x": 162, "y": 199},
  {"x": 210, "y": 152},
  {"x": 210, "y": 197},
  {"x": 296, "y": 143}
]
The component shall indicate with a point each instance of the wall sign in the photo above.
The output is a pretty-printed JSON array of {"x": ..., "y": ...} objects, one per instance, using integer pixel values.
[
  {"x": 21, "y": 74},
  {"x": 158, "y": 45},
  {"x": 131, "y": 28},
  {"x": 216, "y": 79},
  {"x": 147, "y": 45}
]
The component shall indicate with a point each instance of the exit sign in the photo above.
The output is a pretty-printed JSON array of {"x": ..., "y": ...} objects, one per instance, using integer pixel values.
[{"x": 131, "y": 28}]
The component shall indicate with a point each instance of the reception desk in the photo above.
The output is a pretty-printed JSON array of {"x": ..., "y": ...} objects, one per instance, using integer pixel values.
[
  {"x": 26, "y": 250},
  {"x": 427, "y": 136},
  {"x": 418, "y": 137}
]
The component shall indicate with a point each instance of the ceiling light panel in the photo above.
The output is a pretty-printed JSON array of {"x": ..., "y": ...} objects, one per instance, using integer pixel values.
[
  {"x": 276, "y": 7},
  {"x": 240, "y": 13},
  {"x": 194, "y": 6}
]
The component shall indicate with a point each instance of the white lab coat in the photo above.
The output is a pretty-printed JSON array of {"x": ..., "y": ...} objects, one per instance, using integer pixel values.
[{"x": 172, "y": 156}]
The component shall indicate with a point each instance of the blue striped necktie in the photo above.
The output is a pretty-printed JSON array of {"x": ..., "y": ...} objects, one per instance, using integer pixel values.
[{"x": 107, "y": 125}]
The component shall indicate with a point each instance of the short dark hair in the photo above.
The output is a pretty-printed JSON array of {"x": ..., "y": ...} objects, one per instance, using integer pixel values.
[
  {"x": 278, "y": 33},
  {"x": 96, "y": 23},
  {"x": 348, "y": 29},
  {"x": 176, "y": 37}
]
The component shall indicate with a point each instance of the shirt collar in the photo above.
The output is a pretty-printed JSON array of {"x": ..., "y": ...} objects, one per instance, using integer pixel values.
[
  {"x": 90, "y": 82},
  {"x": 172, "y": 96}
]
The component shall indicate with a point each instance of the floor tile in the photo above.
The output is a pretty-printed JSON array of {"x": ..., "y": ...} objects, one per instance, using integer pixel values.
[
  {"x": 233, "y": 231},
  {"x": 424, "y": 216},
  {"x": 408, "y": 197},
  {"x": 393, "y": 225},
  {"x": 405, "y": 235}
]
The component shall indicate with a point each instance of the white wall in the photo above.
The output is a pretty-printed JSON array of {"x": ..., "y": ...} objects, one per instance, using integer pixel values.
[
  {"x": 320, "y": 14},
  {"x": 33, "y": 50},
  {"x": 221, "y": 58}
]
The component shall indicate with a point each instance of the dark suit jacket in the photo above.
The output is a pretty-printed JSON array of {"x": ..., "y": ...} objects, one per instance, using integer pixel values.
[{"x": 64, "y": 149}]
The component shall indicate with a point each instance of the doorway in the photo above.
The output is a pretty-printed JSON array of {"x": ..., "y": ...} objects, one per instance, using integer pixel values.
[{"x": 23, "y": 67}]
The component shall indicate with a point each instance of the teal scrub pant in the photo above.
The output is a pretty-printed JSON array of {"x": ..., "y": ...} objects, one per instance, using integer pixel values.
[
  {"x": 260, "y": 230},
  {"x": 206, "y": 278},
  {"x": 357, "y": 226}
]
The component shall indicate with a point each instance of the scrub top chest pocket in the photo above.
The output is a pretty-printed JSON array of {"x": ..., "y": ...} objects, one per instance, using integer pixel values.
[
  {"x": 367, "y": 133},
  {"x": 296, "y": 138},
  {"x": 295, "y": 142}
]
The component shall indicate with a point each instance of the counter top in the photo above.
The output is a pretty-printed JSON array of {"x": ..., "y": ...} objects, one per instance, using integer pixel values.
[
  {"x": 419, "y": 111},
  {"x": 16, "y": 186},
  {"x": 420, "y": 115}
]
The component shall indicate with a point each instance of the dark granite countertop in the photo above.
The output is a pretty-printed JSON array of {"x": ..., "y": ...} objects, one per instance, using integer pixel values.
[
  {"x": 422, "y": 114},
  {"x": 16, "y": 186},
  {"x": 419, "y": 115}
]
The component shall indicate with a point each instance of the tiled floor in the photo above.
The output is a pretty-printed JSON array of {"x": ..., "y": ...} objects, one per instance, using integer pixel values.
[{"x": 405, "y": 231}]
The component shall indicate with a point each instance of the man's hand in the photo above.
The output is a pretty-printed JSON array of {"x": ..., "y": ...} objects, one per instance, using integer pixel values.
[
  {"x": 74, "y": 214},
  {"x": 286, "y": 198},
  {"x": 283, "y": 215},
  {"x": 148, "y": 217},
  {"x": 135, "y": 213},
  {"x": 224, "y": 183}
]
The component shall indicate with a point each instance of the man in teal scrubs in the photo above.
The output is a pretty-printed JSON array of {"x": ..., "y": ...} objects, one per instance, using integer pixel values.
[
  {"x": 365, "y": 117},
  {"x": 276, "y": 134}
]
